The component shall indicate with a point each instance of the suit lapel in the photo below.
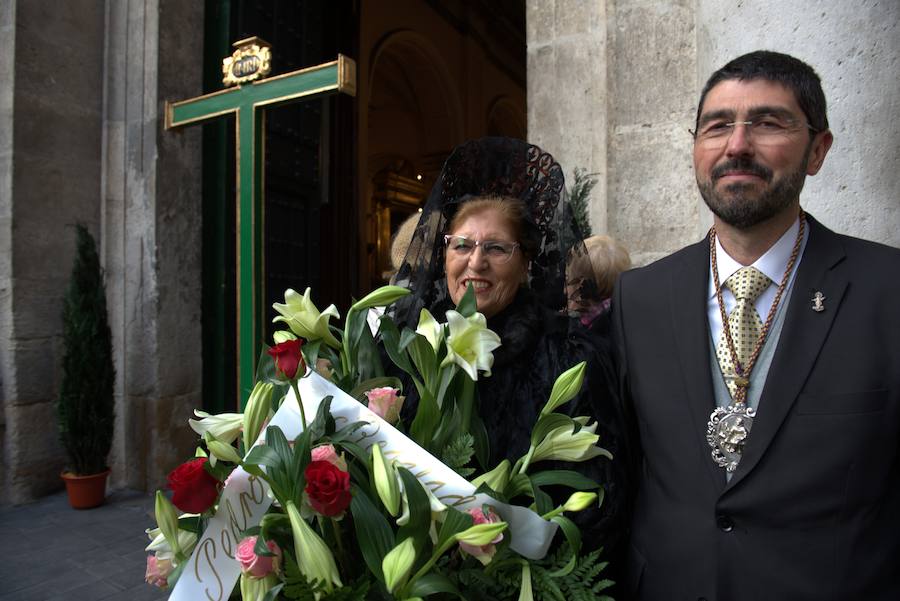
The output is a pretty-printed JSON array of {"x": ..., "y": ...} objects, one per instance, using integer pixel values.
[
  {"x": 688, "y": 291},
  {"x": 802, "y": 336}
]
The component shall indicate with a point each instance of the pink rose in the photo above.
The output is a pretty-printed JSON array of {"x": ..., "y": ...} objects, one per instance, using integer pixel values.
[
  {"x": 484, "y": 553},
  {"x": 158, "y": 571},
  {"x": 327, "y": 453},
  {"x": 385, "y": 403},
  {"x": 258, "y": 566}
]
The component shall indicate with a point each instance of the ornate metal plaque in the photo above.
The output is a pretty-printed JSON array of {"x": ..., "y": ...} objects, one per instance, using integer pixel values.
[
  {"x": 726, "y": 433},
  {"x": 251, "y": 60}
]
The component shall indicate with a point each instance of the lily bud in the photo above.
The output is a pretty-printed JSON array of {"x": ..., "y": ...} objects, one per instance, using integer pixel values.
[
  {"x": 222, "y": 451},
  {"x": 496, "y": 479},
  {"x": 255, "y": 589},
  {"x": 481, "y": 534},
  {"x": 430, "y": 329},
  {"x": 257, "y": 412},
  {"x": 397, "y": 564},
  {"x": 167, "y": 520},
  {"x": 313, "y": 555},
  {"x": 385, "y": 481},
  {"x": 282, "y": 336},
  {"x": 380, "y": 297},
  {"x": 579, "y": 501},
  {"x": 566, "y": 387}
]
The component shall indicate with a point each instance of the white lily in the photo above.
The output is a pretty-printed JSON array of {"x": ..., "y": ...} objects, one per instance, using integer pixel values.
[
  {"x": 304, "y": 319},
  {"x": 162, "y": 548},
  {"x": 563, "y": 444},
  {"x": 470, "y": 343},
  {"x": 430, "y": 329},
  {"x": 224, "y": 427}
]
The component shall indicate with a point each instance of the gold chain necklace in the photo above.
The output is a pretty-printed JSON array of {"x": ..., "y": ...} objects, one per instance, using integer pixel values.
[{"x": 728, "y": 427}]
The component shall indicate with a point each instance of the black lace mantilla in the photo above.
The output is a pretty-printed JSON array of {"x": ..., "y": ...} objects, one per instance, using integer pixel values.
[{"x": 493, "y": 166}]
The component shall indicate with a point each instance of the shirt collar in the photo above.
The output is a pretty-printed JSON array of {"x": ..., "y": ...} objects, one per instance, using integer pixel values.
[{"x": 772, "y": 263}]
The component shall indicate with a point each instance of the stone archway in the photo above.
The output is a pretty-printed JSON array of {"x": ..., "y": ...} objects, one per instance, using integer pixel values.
[{"x": 414, "y": 120}]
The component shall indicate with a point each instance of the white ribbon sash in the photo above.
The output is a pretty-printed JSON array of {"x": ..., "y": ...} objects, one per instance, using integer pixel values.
[{"x": 212, "y": 571}]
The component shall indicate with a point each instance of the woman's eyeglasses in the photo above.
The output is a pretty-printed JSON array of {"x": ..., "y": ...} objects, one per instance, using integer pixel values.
[{"x": 496, "y": 251}]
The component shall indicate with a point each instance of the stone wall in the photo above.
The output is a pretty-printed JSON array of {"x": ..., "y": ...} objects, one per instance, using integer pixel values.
[
  {"x": 82, "y": 89},
  {"x": 855, "y": 48},
  {"x": 54, "y": 65},
  {"x": 613, "y": 87}
]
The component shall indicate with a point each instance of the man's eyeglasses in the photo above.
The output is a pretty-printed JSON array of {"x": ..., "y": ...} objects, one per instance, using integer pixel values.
[
  {"x": 496, "y": 251},
  {"x": 765, "y": 130}
]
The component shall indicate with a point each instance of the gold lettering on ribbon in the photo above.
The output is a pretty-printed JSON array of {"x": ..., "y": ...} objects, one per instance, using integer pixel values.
[
  {"x": 460, "y": 500},
  {"x": 206, "y": 550}
]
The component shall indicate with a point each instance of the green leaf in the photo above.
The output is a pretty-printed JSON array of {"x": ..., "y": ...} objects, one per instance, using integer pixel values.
[
  {"x": 263, "y": 455},
  {"x": 458, "y": 453},
  {"x": 272, "y": 593},
  {"x": 323, "y": 423},
  {"x": 419, "y": 510},
  {"x": 373, "y": 532},
  {"x": 423, "y": 358},
  {"x": 467, "y": 306},
  {"x": 427, "y": 415},
  {"x": 390, "y": 336},
  {"x": 573, "y": 537},
  {"x": 368, "y": 357},
  {"x": 542, "y": 501},
  {"x": 432, "y": 584},
  {"x": 569, "y": 478},
  {"x": 310, "y": 352}
]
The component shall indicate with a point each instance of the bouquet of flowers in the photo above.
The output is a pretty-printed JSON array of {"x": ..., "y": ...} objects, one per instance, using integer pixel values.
[{"x": 319, "y": 491}]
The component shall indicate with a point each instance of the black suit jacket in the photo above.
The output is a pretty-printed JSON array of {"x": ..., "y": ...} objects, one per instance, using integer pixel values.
[{"x": 813, "y": 510}]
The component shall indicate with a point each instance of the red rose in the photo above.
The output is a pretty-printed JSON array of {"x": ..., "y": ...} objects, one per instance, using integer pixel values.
[
  {"x": 195, "y": 490},
  {"x": 328, "y": 488},
  {"x": 288, "y": 357}
]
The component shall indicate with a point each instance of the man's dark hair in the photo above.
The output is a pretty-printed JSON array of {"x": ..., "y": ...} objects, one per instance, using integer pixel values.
[{"x": 790, "y": 72}]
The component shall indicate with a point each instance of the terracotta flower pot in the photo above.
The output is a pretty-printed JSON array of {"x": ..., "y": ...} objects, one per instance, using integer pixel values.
[{"x": 86, "y": 491}]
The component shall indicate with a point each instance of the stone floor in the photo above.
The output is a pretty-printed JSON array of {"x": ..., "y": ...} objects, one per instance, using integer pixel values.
[{"x": 50, "y": 551}]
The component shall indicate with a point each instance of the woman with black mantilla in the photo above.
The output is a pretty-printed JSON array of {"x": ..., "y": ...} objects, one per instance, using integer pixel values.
[{"x": 497, "y": 219}]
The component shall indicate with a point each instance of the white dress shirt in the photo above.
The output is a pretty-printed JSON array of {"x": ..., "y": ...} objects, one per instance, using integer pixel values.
[{"x": 773, "y": 263}]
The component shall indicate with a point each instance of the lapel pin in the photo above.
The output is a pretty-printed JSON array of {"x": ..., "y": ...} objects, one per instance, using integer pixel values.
[{"x": 818, "y": 304}]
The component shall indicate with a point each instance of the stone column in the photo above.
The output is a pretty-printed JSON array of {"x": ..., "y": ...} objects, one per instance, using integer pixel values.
[
  {"x": 611, "y": 89},
  {"x": 151, "y": 208},
  {"x": 568, "y": 91},
  {"x": 855, "y": 48}
]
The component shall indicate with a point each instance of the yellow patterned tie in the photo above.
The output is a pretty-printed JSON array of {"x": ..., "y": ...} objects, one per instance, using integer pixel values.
[{"x": 747, "y": 283}]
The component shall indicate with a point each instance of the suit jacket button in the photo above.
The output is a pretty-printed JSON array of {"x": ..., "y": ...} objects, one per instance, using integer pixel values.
[{"x": 725, "y": 523}]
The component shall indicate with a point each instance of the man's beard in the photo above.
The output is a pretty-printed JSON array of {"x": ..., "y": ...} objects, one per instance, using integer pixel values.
[{"x": 738, "y": 206}]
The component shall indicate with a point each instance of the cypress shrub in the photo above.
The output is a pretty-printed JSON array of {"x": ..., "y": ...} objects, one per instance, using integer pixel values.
[{"x": 86, "y": 406}]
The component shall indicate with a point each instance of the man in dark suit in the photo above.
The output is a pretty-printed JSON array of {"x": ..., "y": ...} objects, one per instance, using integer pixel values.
[{"x": 762, "y": 369}]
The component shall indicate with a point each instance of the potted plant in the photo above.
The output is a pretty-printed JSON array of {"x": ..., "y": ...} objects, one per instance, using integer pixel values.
[{"x": 85, "y": 406}]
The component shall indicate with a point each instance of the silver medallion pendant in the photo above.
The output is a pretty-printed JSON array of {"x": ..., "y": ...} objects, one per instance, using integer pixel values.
[{"x": 727, "y": 432}]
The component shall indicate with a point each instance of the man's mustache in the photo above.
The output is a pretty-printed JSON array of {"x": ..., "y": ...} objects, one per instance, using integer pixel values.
[{"x": 742, "y": 164}]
